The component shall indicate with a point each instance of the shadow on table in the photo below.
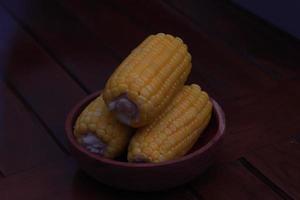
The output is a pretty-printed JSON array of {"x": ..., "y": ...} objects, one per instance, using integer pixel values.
[{"x": 85, "y": 187}]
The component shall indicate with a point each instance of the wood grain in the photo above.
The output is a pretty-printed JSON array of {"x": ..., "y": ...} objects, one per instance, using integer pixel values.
[
  {"x": 220, "y": 71},
  {"x": 63, "y": 180},
  {"x": 21, "y": 133},
  {"x": 274, "y": 51},
  {"x": 232, "y": 181},
  {"x": 67, "y": 40},
  {"x": 47, "y": 89},
  {"x": 279, "y": 162},
  {"x": 112, "y": 28},
  {"x": 261, "y": 119}
]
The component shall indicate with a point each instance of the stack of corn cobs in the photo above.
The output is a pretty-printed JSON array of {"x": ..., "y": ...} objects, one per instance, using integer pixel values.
[{"x": 145, "y": 109}]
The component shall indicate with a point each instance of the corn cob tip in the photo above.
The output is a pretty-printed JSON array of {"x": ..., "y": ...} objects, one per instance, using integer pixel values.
[
  {"x": 125, "y": 110},
  {"x": 92, "y": 143}
]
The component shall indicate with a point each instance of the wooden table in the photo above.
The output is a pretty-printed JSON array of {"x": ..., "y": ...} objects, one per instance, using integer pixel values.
[{"x": 54, "y": 53}]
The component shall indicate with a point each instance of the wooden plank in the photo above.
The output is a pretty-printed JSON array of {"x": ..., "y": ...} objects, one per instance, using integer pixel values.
[
  {"x": 274, "y": 52},
  {"x": 63, "y": 180},
  {"x": 67, "y": 40},
  {"x": 231, "y": 181},
  {"x": 225, "y": 71},
  {"x": 256, "y": 121},
  {"x": 24, "y": 143},
  {"x": 108, "y": 24},
  {"x": 47, "y": 89},
  {"x": 280, "y": 163},
  {"x": 296, "y": 137}
]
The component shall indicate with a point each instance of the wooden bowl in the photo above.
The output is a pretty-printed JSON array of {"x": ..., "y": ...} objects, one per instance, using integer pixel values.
[{"x": 148, "y": 176}]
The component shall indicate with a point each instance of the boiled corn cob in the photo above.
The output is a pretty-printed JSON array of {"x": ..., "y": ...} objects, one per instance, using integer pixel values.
[
  {"x": 175, "y": 131},
  {"x": 147, "y": 80},
  {"x": 100, "y": 132}
]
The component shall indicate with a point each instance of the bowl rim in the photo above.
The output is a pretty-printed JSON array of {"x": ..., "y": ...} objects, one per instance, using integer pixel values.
[{"x": 78, "y": 108}]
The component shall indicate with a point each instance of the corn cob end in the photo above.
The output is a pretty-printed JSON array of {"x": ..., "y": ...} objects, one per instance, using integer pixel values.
[
  {"x": 92, "y": 143},
  {"x": 126, "y": 110},
  {"x": 98, "y": 131},
  {"x": 147, "y": 80}
]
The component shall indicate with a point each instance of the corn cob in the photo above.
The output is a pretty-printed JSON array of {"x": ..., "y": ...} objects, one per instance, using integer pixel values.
[
  {"x": 147, "y": 80},
  {"x": 100, "y": 132},
  {"x": 175, "y": 131}
]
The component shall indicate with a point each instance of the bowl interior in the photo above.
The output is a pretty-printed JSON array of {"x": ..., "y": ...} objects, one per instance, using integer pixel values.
[{"x": 208, "y": 135}]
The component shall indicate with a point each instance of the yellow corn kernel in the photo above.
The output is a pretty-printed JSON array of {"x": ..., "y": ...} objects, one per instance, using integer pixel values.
[
  {"x": 100, "y": 132},
  {"x": 175, "y": 131},
  {"x": 146, "y": 81}
]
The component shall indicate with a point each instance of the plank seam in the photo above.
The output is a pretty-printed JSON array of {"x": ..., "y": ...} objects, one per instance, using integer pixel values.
[
  {"x": 36, "y": 115},
  {"x": 258, "y": 174},
  {"x": 1, "y": 174},
  {"x": 194, "y": 193},
  {"x": 46, "y": 49},
  {"x": 112, "y": 52},
  {"x": 131, "y": 19},
  {"x": 241, "y": 53},
  {"x": 136, "y": 23}
]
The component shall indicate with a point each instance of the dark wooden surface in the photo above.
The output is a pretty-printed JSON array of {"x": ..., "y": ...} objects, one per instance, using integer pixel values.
[{"x": 54, "y": 53}]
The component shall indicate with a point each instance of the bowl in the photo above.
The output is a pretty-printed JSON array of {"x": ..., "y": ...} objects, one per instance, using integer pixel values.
[{"x": 148, "y": 176}]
